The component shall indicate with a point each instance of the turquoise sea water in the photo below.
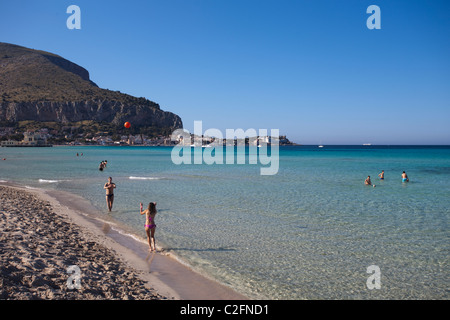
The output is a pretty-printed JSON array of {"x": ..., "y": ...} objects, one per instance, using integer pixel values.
[{"x": 308, "y": 232}]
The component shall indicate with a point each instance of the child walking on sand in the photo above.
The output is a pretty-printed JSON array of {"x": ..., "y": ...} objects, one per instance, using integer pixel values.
[{"x": 150, "y": 225}]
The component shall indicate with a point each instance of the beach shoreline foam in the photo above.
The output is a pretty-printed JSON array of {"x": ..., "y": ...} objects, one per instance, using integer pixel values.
[{"x": 45, "y": 231}]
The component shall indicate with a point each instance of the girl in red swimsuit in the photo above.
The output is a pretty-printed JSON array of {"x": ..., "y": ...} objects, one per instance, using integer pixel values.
[{"x": 150, "y": 225}]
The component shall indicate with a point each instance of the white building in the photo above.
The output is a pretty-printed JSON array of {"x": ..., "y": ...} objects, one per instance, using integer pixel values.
[{"x": 33, "y": 138}]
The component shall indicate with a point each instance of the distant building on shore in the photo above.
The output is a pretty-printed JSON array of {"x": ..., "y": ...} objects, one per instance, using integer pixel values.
[
  {"x": 30, "y": 139},
  {"x": 33, "y": 139},
  {"x": 10, "y": 143}
]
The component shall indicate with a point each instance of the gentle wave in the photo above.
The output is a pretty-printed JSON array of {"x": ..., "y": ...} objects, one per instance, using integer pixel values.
[
  {"x": 124, "y": 233},
  {"x": 50, "y": 181},
  {"x": 143, "y": 178}
]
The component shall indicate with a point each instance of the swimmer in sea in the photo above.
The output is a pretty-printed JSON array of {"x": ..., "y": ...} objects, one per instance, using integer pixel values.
[
  {"x": 405, "y": 177},
  {"x": 150, "y": 225},
  {"x": 109, "y": 186},
  {"x": 367, "y": 181},
  {"x": 381, "y": 175}
]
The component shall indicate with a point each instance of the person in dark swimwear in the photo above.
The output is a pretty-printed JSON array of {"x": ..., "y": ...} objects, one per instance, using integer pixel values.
[
  {"x": 150, "y": 225},
  {"x": 109, "y": 186},
  {"x": 381, "y": 175}
]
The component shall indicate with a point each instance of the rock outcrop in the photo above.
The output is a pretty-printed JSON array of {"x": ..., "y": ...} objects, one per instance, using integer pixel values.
[
  {"x": 110, "y": 111},
  {"x": 41, "y": 86}
]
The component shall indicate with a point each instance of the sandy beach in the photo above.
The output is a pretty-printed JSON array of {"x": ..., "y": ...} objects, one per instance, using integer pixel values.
[{"x": 43, "y": 233}]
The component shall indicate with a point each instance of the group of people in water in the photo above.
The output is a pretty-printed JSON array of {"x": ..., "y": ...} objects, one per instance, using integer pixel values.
[
  {"x": 150, "y": 213},
  {"x": 102, "y": 165},
  {"x": 381, "y": 176}
]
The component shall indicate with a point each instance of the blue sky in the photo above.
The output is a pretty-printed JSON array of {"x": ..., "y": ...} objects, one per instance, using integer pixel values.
[{"x": 311, "y": 69}]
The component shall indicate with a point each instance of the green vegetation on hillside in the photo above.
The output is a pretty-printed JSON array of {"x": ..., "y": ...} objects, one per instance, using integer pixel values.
[{"x": 28, "y": 75}]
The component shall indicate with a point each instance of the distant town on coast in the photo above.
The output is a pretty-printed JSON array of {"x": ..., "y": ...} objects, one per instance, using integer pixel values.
[
  {"x": 71, "y": 135},
  {"x": 63, "y": 106}
]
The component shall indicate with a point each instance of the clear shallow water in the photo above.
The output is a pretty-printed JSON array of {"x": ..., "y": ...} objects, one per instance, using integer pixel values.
[{"x": 309, "y": 232}]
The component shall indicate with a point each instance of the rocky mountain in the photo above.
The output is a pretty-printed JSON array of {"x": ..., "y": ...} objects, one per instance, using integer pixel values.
[{"x": 41, "y": 86}]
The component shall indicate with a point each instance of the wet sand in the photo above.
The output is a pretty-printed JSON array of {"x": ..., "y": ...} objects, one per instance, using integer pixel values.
[{"x": 44, "y": 232}]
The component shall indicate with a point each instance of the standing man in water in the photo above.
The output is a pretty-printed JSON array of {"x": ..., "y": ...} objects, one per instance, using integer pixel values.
[
  {"x": 109, "y": 186},
  {"x": 405, "y": 177}
]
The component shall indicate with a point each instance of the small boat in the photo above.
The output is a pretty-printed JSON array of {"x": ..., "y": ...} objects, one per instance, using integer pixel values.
[{"x": 321, "y": 146}]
